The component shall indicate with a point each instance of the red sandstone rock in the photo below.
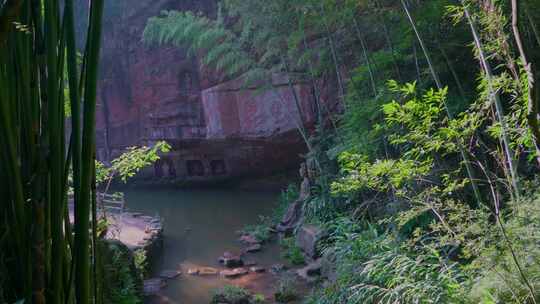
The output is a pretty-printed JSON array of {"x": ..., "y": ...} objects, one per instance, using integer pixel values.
[
  {"x": 231, "y": 260},
  {"x": 254, "y": 248},
  {"x": 249, "y": 239},
  {"x": 257, "y": 269},
  {"x": 234, "y": 273},
  {"x": 216, "y": 128},
  {"x": 207, "y": 271}
]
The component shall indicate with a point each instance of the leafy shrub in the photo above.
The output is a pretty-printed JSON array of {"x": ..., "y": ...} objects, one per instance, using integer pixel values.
[
  {"x": 373, "y": 267},
  {"x": 231, "y": 294},
  {"x": 261, "y": 232},
  {"x": 285, "y": 199},
  {"x": 141, "y": 262},
  {"x": 258, "y": 299},
  {"x": 291, "y": 252},
  {"x": 121, "y": 282},
  {"x": 498, "y": 278},
  {"x": 286, "y": 291}
]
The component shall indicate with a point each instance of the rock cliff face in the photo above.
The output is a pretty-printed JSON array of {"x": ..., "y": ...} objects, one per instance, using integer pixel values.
[{"x": 217, "y": 128}]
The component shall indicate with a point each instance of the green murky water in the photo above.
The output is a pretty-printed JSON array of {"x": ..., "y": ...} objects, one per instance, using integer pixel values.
[{"x": 199, "y": 226}]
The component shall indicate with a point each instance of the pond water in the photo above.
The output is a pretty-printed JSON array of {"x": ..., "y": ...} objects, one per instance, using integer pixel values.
[{"x": 199, "y": 225}]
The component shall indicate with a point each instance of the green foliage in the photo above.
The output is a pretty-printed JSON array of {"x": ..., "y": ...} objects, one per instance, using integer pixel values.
[
  {"x": 141, "y": 262},
  {"x": 416, "y": 128},
  {"x": 292, "y": 253},
  {"x": 259, "y": 298},
  {"x": 499, "y": 280},
  {"x": 286, "y": 291},
  {"x": 230, "y": 294},
  {"x": 200, "y": 33},
  {"x": 136, "y": 158},
  {"x": 121, "y": 280},
  {"x": 261, "y": 232},
  {"x": 285, "y": 199},
  {"x": 374, "y": 267},
  {"x": 129, "y": 163}
]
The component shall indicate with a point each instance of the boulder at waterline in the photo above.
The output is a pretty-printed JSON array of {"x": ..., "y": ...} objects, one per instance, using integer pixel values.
[
  {"x": 311, "y": 272},
  {"x": 231, "y": 260},
  {"x": 308, "y": 238},
  {"x": 257, "y": 269},
  {"x": 234, "y": 273},
  {"x": 249, "y": 239},
  {"x": 253, "y": 248},
  {"x": 169, "y": 274},
  {"x": 208, "y": 271}
]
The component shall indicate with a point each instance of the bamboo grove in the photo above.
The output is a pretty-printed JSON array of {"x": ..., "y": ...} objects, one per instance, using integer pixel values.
[{"x": 42, "y": 258}]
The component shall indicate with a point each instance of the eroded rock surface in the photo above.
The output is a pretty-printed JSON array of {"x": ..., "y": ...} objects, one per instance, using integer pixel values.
[
  {"x": 218, "y": 129},
  {"x": 308, "y": 239},
  {"x": 231, "y": 260},
  {"x": 234, "y": 273}
]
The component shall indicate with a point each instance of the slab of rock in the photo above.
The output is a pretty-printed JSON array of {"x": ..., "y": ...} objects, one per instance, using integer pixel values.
[
  {"x": 231, "y": 260},
  {"x": 234, "y": 273},
  {"x": 329, "y": 267},
  {"x": 208, "y": 271},
  {"x": 311, "y": 272},
  {"x": 249, "y": 239},
  {"x": 254, "y": 248},
  {"x": 193, "y": 271},
  {"x": 308, "y": 239},
  {"x": 257, "y": 269},
  {"x": 153, "y": 286},
  {"x": 169, "y": 274}
]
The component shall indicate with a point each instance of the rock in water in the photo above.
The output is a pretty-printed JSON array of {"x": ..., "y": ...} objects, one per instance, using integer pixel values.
[
  {"x": 308, "y": 239},
  {"x": 254, "y": 248},
  {"x": 234, "y": 273},
  {"x": 257, "y": 269},
  {"x": 207, "y": 271},
  {"x": 311, "y": 272},
  {"x": 231, "y": 260},
  {"x": 193, "y": 271},
  {"x": 169, "y": 274},
  {"x": 249, "y": 239}
]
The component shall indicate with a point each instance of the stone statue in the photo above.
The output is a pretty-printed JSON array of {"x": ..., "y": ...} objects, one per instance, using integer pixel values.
[{"x": 292, "y": 217}]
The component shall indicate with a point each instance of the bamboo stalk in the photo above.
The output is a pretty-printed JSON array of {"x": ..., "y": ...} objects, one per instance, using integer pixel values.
[
  {"x": 497, "y": 101},
  {"x": 334, "y": 53},
  {"x": 532, "y": 108},
  {"x": 366, "y": 57},
  {"x": 82, "y": 238},
  {"x": 56, "y": 151},
  {"x": 462, "y": 151}
]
